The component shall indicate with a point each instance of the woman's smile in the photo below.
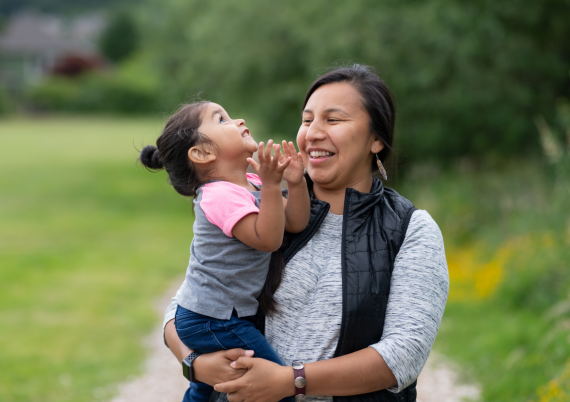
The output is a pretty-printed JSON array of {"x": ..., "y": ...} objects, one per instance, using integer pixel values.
[{"x": 319, "y": 155}]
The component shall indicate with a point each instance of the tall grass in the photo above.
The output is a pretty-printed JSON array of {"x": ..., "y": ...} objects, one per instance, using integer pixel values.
[{"x": 507, "y": 236}]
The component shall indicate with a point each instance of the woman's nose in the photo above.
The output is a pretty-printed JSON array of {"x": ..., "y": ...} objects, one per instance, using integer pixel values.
[{"x": 315, "y": 132}]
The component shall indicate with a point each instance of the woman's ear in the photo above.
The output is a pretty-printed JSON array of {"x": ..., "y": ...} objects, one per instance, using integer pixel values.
[
  {"x": 377, "y": 146},
  {"x": 201, "y": 155}
]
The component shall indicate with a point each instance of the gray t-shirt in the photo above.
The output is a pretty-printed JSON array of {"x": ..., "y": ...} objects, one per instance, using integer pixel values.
[{"x": 223, "y": 273}]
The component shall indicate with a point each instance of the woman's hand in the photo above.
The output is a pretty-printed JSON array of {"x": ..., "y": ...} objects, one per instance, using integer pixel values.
[
  {"x": 214, "y": 368},
  {"x": 264, "y": 381},
  {"x": 295, "y": 171}
]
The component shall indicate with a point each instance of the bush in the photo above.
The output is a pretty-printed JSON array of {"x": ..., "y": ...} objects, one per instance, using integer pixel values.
[
  {"x": 95, "y": 92},
  {"x": 4, "y": 102}
]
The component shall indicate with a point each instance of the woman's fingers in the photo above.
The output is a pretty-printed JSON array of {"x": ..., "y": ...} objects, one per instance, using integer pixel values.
[
  {"x": 228, "y": 387},
  {"x": 242, "y": 362}
]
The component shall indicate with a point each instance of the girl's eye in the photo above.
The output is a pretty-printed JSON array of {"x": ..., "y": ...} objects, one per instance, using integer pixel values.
[
  {"x": 222, "y": 120},
  {"x": 333, "y": 120}
]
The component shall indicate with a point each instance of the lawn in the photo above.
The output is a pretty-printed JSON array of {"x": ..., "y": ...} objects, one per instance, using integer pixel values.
[{"x": 88, "y": 240}]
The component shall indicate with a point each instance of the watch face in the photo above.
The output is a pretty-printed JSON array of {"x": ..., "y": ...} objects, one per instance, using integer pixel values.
[
  {"x": 300, "y": 382},
  {"x": 298, "y": 365},
  {"x": 186, "y": 370}
]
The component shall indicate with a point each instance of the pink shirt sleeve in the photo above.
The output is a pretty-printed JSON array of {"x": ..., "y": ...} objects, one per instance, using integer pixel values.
[
  {"x": 253, "y": 178},
  {"x": 225, "y": 204}
]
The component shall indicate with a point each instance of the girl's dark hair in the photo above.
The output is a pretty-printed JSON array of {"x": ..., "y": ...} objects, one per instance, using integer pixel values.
[
  {"x": 376, "y": 98},
  {"x": 171, "y": 150},
  {"x": 379, "y": 104}
]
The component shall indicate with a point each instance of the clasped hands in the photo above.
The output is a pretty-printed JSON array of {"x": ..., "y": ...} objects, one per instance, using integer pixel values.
[{"x": 244, "y": 378}]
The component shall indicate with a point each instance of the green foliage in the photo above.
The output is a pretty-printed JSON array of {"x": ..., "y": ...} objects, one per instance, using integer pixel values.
[
  {"x": 468, "y": 77},
  {"x": 8, "y": 7},
  {"x": 4, "y": 102},
  {"x": 88, "y": 241},
  {"x": 128, "y": 90},
  {"x": 515, "y": 340},
  {"x": 120, "y": 38}
]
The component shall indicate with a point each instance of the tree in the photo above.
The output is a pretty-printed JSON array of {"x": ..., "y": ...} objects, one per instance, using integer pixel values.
[{"x": 121, "y": 38}]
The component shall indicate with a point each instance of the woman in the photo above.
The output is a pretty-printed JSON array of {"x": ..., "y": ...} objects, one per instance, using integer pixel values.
[{"x": 364, "y": 287}]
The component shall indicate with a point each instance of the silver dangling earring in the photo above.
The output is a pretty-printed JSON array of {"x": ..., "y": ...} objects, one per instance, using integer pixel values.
[{"x": 381, "y": 168}]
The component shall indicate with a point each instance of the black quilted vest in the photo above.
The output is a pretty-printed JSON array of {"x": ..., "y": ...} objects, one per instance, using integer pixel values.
[{"x": 373, "y": 230}]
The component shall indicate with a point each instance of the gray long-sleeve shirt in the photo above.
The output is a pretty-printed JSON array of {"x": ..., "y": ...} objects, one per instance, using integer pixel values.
[{"x": 310, "y": 301}]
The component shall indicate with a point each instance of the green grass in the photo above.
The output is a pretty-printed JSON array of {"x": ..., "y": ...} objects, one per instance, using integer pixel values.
[
  {"x": 507, "y": 232},
  {"x": 88, "y": 240}
]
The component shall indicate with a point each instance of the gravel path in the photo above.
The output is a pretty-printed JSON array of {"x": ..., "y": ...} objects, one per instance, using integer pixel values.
[{"x": 162, "y": 379}]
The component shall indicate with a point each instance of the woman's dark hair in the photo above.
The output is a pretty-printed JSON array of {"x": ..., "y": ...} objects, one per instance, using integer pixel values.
[
  {"x": 171, "y": 152},
  {"x": 379, "y": 104},
  {"x": 376, "y": 98}
]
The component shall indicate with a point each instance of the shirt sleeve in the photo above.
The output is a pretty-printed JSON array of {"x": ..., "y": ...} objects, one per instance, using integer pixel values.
[
  {"x": 253, "y": 178},
  {"x": 225, "y": 204},
  {"x": 418, "y": 293},
  {"x": 170, "y": 312}
]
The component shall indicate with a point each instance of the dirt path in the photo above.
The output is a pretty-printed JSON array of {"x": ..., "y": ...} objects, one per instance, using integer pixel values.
[{"x": 162, "y": 379}]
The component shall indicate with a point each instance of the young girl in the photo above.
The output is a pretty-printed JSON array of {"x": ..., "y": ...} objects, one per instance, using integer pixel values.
[{"x": 206, "y": 155}]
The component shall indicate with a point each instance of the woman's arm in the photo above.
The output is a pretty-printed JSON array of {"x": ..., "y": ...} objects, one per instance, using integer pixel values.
[
  {"x": 356, "y": 373},
  {"x": 418, "y": 293},
  {"x": 210, "y": 368}
]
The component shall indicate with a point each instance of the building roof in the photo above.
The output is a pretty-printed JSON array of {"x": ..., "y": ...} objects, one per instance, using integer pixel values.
[{"x": 31, "y": 33}]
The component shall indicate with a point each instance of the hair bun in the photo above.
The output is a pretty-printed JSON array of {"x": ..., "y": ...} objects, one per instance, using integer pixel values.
[{"x": 150, "y": 158}]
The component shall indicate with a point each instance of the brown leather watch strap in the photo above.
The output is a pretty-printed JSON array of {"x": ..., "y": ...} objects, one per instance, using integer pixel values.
[{"x": 299, "y": 375}]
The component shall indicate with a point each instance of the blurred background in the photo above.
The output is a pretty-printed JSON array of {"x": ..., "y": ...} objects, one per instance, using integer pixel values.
[{"x": 89, "y": 240}]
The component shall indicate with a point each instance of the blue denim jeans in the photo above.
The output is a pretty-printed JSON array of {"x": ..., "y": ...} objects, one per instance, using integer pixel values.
[{"x": 205, "y": 334}]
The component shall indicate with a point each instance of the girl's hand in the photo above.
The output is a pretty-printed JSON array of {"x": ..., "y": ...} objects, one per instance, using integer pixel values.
[
  {"x": 269, "y": 169},
  {"x": 295, "y": 171},
  {"x": 264, "y": 381},
  {"x": 214, "y": 368}
]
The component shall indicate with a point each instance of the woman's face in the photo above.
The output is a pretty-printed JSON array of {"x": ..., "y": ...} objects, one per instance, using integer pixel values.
[{"x": 335, "y": 139}]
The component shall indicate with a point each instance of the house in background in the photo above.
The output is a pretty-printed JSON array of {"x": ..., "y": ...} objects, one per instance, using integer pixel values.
[{"x": 32, "y": 45}]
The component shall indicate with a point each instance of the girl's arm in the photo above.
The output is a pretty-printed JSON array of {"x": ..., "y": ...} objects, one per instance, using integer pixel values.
[
  {"x": 264, "y": 230},
  {"x": 298, "y": 203}
]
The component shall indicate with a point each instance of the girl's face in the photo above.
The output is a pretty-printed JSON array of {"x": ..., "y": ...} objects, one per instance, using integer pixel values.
[
  {"x": 335, "y": 139},
  {"x": 231, "y": 137}
]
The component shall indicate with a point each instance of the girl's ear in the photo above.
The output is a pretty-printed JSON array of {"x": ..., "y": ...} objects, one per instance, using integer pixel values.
[
  {"x": 377, "y": 146},
  {"x": 201, "y": 155}
]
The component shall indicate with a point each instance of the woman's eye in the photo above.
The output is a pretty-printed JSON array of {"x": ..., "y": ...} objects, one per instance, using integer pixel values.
[
  {"x": 306, "y": 120},
  {"x": 333, "y": 120}
]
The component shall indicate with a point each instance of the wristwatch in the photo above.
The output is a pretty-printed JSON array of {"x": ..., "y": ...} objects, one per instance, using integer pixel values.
[
  {"x": 299, "y": 374},
  {"x": 187, "y": 368}
]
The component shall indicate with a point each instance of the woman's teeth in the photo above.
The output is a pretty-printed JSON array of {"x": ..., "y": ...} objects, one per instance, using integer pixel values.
[{"x": 320, "y": 154}]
